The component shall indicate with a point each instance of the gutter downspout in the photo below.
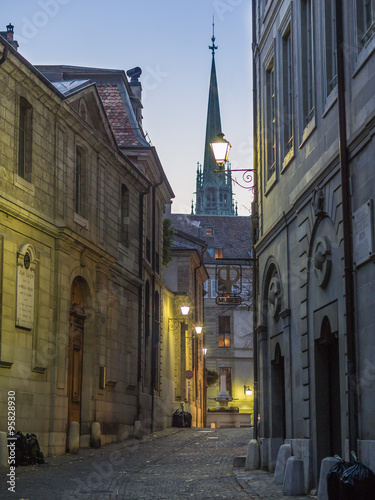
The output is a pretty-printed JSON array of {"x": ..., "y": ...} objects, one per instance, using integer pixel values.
[
  {"x": 255, "y": 228},
  {"x": 347, "y": 234},
  {"x": 153, "y": 360}
]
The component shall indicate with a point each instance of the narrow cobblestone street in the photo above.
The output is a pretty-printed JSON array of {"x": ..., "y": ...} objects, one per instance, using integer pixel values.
[{"x": 172, "y": 464}]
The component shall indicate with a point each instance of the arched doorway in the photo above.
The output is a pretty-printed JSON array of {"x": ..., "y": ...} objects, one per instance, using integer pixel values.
[
  {"x": 75, "y": 351},
  {"x": 327, "y": 383}
]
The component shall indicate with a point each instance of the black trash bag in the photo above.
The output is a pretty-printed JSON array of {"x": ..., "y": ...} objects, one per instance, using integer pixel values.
[
  {"x": 178, "y": 419},
  {"x": 27, "y": 449},
  {"x": 357, "y": 482},
  {"x": 35, "y": 453},
  {"x": 334, "y": 476},
  {"x": 187, "y": 419},
  {"x": 21, "y": 448}
]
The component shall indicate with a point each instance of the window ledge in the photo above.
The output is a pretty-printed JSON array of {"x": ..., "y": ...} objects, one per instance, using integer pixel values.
[
  {"x": 310, "y": 127},
  {"x": 23, "y": 184},
  {"x": 363, "y": 55},
  {"x": 287, "y": 159},
  {"x": 270, "y": 183},
  {"x": 330, "y": 101},
  {"x": 81, "y": 221}
]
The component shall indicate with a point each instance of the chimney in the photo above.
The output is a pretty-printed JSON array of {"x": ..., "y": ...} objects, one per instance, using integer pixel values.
[
  {"x": 8, "y": 35},
  {"x": 136, "y": 98}
]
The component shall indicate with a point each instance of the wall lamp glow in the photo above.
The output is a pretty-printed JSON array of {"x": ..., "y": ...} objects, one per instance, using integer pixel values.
[
  {"x": 198, "y": 329},
  {"x": 247, "y": 390},
  {"x": 185, "y": 310},
  {"x": 204, "y": 350}
]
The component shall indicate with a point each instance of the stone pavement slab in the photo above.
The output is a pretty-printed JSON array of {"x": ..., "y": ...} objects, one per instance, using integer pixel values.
[{"x": 260, "y": 484}]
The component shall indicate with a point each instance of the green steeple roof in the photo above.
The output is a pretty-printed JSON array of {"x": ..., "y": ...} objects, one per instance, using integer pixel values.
[{"x": 213, "y": 192}]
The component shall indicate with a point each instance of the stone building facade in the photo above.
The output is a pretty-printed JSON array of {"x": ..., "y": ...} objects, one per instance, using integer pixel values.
[
  {"x": 227, "y": 328},
  {"x": 304, "y": 343},
  {"x": 82, "y": 198}
]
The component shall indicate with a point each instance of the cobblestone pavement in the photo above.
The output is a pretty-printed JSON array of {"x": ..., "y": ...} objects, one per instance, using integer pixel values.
[{"x": 167, "y": 465}]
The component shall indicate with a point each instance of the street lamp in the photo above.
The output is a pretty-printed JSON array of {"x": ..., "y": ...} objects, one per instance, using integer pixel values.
[
  {"x": 204, "y": 350},
  {"x": 220, "y": 148},
  {"x": 173, "y": 323},
  {"x": 247, "y": 390},
  {"x": 198, "y": 329}
]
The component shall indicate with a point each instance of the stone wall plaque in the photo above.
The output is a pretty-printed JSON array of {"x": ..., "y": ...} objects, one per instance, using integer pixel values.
[
  {"x": 363, "y": 237},
  {"x": 25, "y": 290}
]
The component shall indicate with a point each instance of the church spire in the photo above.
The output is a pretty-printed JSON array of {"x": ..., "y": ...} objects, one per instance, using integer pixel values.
[{"x": 213, "y": 192}]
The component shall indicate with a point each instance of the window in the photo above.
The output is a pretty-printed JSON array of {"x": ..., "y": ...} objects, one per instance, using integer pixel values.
[
  {"x": 213, "y": 289},
  {"x": 270, "y": 120},
  {"x": 209, "y": 231},
  {"x": 330, "y": 45},
  {"x": 25, "y": 140},
  {"x": 218, "y": 253},
  {"x": 80, "y": 182},
  {"x": 224, "y": 331},
  {"x": 124, "y": 222},
  {"x": 211, "y": 199},
  {"x": 365, "y": 20},
  {"x": 308, "y": 104},
  {"x": 288, "y": 124},
  {"x": 205, "y": 289}
]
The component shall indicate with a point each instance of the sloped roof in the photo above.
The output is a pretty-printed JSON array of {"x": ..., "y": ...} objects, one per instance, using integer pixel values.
[
  {"x": 232, "y": 234},
  {"x": 115, "y": 92}
]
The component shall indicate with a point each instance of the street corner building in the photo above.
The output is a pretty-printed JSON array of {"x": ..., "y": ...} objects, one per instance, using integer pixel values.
[
  {"x": 84, "y": 334},
  {"x": 314, "y": 234}
]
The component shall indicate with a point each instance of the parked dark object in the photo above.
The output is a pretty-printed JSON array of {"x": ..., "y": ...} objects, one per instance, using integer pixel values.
[
  {"x": 181, "y": 418},
  {"x": 334, "y": 476},
  {"x": 28, "y": 451},
  {"x": 357, "y": 482}
]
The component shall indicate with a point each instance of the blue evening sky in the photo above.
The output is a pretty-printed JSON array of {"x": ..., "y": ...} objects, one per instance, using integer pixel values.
[{"x": 169, "y": 40}]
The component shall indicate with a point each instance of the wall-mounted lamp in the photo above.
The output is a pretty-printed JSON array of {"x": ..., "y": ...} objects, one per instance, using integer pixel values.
[
  {"x": 204, "y": 350},
  {"x": 247, "y": 390},
  {"x": 174, "y": 323},
  {"x": 198, "y": 329},
  {"x": 185, "y": 310},
  {"x": 220, "y": 149}
]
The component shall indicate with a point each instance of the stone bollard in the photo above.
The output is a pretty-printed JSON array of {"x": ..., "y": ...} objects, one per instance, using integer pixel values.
[
  {"x": 252, "y": 457},
  {"x": 138, "y": 431},
  {"x": 294, "y": 479},
  {"x": 3, "y": 450},
  {"x": 95, "y": 435},
  {"x": 73, "y": 439},
  {"x": 285, "y": 452},
  {"x": 326, "y": 465}
]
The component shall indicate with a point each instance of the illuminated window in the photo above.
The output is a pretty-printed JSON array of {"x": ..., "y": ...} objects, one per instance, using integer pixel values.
[
  {"x": 209, "y": 231},
  {"x": 224, "y": 331},
  {"x": 218, "y": 253},
  {"x": 25, "y": 140}
]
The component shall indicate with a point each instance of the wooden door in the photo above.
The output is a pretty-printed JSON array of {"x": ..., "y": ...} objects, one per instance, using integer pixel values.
[{"x": 76, "y": 327}]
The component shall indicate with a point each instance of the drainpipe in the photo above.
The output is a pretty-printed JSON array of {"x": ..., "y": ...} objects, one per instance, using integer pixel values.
[
  {"x": 255, "y": 229},
  {"x": 153, "y": 263},
  {"x": 346, "y": 221}
]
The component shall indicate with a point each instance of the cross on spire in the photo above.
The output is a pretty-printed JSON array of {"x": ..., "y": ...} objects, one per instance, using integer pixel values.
[{"x": 213, "y": 47}]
